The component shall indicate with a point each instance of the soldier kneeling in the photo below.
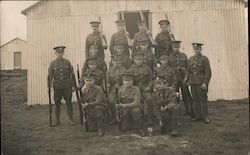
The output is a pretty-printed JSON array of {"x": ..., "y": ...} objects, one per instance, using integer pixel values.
[
  {"x": 129, "y": 108},
  {"x": 93, "y": 102},
  {"x": 164, "y": 107}
]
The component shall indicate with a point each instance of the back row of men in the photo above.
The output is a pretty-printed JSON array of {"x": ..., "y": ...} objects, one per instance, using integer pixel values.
[{"x": 138, "y": 90}]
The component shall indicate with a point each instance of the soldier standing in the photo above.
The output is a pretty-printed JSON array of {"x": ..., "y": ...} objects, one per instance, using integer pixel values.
[
  {"x": 165, "y": 70},
  {"x": 165, "y": 105},
  {"x": 60, "y": 74},
  {"x": 91, "y": 64},
  {"x": 163, "y": 39},
  {"x": 141, "y": 34},
  {"x": 114, "y": 82},
  {"x": 129, "y": 105},
  {"x": 179, "y": 62},
  {"x": 93, "y": 102},
  {"x": 94, "y": 46},
  {"x": 199, "y": 77},
  {"x": 119, "y": 39}
]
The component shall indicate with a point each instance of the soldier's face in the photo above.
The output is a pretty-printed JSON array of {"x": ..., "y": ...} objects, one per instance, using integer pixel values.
[
  {"x": 175, "y": 48},
  {"x": 89, "y": 82},
  {"x": 138, "y": 61},
  {"x": 120, "y": 28},
  {"x": 164, "y": 61},
  {"x": 144, "y": 46},
  {"x": 95, "y": 28},
  {"x": 197, "y": 50},
  {"x": 159, "y": 85},
  {"x": 142, "y": 27},
  {"x": 164, "y": 28},
  {"x": 115, "y": 63},
  {"x": 119, "y": 49},
  {"x": 59, "y": 54},
  {"x": 127, "y": 82},
  {"x": 92, "y": 66}
]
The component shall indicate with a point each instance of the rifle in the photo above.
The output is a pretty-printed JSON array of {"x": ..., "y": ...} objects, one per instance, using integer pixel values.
[
  {"x": 104, "y": 43},
  {"x": 106, "y": 93},
  {"x": 171, "y": 35},
  {"x": 118, "y": 112},
  {"x": 50, "y": 105},
  {"x": 78, "y": 98},
  {"x": 83, "y": 116},
  {"x": 130, "y": 44},
  {"x": 149, "y": 34},
  {"x": 162, "y": 102}
]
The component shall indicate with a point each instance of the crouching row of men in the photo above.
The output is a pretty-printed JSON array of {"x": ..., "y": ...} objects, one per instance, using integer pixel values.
[{"x": 131, "y": 111}]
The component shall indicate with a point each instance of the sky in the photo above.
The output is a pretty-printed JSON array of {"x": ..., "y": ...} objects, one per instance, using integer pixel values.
[{"x": 13, "y": 23}]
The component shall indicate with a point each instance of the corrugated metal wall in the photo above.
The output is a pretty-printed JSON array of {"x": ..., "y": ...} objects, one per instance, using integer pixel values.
[
  {"x": 7, "y": 54},
  {"x": 220, "y": 29}
]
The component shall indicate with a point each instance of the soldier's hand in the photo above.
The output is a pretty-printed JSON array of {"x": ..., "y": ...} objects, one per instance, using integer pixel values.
[{"x": 204, "y": 86}]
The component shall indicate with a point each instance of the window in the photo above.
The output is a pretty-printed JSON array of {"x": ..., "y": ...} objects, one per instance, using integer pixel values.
[
  {"x": 17, "y": 60},
  {"x": 131, "y": 19}
]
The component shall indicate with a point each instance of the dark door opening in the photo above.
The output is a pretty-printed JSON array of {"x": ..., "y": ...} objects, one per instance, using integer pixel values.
[{"x": 131, "y": 19}]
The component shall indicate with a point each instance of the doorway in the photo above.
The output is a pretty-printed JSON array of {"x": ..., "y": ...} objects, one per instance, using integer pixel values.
[{"x": 131, "y": 18}]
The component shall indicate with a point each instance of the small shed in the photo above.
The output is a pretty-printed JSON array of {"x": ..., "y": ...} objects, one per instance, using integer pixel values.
[{"x": 13, "y": 55}]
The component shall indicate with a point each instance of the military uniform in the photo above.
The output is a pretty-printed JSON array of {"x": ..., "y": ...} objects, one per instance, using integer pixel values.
[
  {"x": 199, "y": 73},
  {"x": 137, "y": 37},
  {"x": 165, "y": 107},
  {"x": 130, "y": 98},
  {"x": 94, "y": 39},
  {"x": 149, "y": 56},
  {"x": 179, "y": 62},
  {"x": 60, "y": 73},
  {"x": 94, "y": 97},
  {"x": 167, "y": 72},
  {"x": 163, "y": 41},
  {"x": 98, "y": 72},
  {"x": 123, "y": 57},
  {"x": 119, "y": 38},
  {"x": 114, "y": 81}
]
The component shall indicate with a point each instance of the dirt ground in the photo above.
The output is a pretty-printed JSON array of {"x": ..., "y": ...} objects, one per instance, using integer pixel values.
[{"x": 26, "y": 131}]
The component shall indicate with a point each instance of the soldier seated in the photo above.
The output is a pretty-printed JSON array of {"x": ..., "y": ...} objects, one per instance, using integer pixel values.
[
  {"x": 93, "y": 102},
  {"x": 129, "y": 108},
  {"x": 164, "y": 107}
]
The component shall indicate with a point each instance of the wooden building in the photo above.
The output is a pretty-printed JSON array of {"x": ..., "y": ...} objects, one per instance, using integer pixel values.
[
  {"x": 13, "y": 55},
  {"x": 219, "y": 24}
]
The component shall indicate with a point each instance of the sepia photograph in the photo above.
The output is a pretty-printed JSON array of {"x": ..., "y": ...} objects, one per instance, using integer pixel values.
[{"x": 126, "y": 77}]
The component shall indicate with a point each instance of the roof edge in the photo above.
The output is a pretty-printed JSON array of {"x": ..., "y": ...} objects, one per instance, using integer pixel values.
[
  {"x": 24, "y": 12},
  {"x": 12, "y": 41}
]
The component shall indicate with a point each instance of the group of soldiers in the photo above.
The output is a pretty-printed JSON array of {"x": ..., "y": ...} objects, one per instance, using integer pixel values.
[{"x": 141, "y": 89}]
